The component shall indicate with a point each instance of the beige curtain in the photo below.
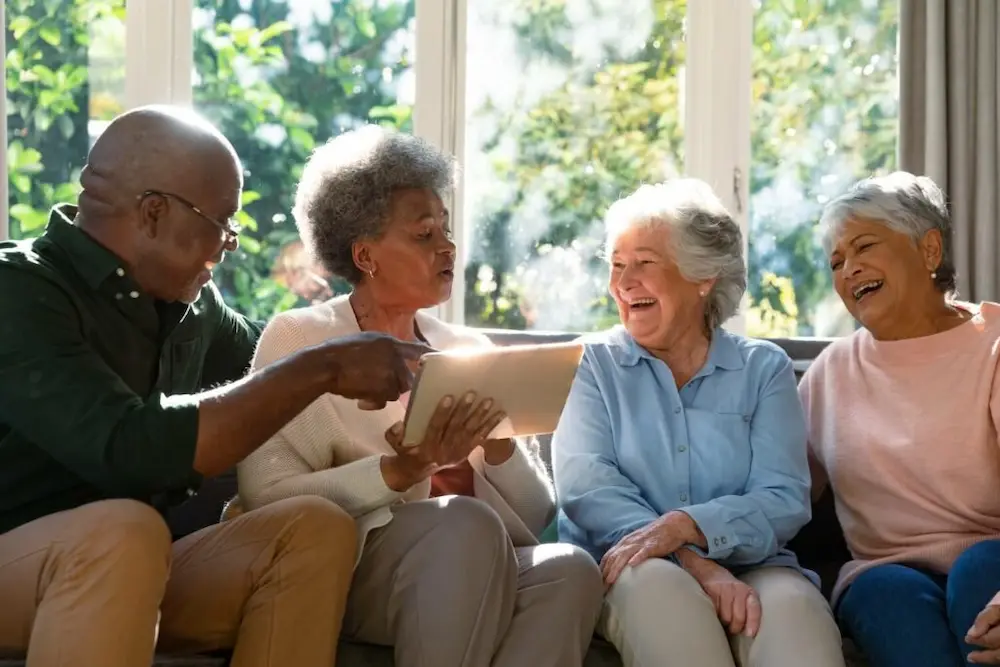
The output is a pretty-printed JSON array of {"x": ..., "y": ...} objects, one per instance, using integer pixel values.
[{"x": 950, "y": 124}]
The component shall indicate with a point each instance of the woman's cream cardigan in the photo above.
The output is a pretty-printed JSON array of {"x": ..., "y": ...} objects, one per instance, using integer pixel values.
[{"x": 333, "y": 449}]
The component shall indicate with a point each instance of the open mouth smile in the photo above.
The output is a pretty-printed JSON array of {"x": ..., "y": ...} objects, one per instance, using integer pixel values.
[
  {"x": 642, "y": 304},
  {"x": 866, "y": 288}
]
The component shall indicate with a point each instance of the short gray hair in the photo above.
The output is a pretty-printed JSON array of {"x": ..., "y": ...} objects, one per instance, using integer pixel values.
[
  {"x": 346, "y": 185},
  {"x": 705, "y": 241},
  {"x": 908, "y": 204}
]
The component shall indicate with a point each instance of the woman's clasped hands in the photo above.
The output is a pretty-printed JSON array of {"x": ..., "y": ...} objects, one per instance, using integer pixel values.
[{"x": 455, "y": 429}]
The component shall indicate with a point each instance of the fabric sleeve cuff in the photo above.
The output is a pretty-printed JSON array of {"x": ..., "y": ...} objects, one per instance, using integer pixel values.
[
  {"x": 511, "y": 472},
  {"x": 719, "y": 535},
  {"x": 367, "y": 489}
]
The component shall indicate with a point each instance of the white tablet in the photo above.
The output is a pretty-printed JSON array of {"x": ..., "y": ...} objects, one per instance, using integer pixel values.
[{"x": 528, "y": 382}]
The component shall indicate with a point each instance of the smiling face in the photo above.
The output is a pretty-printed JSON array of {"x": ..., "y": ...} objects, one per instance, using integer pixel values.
[
  {"x": 414, "y": 258},
  {"x": 881, "y": 275},
  {"x": 656, "y": 303}
]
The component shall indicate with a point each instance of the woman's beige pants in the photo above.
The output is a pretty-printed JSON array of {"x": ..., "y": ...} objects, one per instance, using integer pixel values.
[{"x": 657, "y": 615}]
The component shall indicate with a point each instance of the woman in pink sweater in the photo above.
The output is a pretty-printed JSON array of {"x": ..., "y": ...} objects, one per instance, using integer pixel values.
[{"x": 903, "y": 420}]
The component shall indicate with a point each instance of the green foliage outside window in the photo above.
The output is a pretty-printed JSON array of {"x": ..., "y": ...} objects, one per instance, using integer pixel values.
[{"x": 824, "y": 113}]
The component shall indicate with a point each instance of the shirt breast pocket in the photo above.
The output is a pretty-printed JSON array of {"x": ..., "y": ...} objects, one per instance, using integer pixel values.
[{"x": 720, "y": 449}]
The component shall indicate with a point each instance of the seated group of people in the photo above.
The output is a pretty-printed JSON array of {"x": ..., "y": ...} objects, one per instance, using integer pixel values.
[{"x": 685, "y": 460}]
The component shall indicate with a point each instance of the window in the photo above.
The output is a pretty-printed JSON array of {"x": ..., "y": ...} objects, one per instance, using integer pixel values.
[
  {"x": 65, "y": 77},
  {"x": 568, "y": 106},
  {"x": 824, "y": 114},
  {"x": 555, "y": 107},
  {"x": 278, "y": 80}
]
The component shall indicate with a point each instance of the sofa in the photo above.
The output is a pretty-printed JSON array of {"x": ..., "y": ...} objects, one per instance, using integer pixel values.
[{"x": 820, "y": 545}]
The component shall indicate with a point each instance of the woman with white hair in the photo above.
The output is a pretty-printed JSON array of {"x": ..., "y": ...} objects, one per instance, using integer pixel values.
[
  {"x": 450, "y": 571},
  {"x": 903, "y": 418},
  {"x": 680, "y": 458}
]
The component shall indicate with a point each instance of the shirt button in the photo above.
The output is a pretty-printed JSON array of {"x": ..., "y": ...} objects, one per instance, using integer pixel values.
[
  {"x": 682, "y": 448},
  {"x": 119, "y": 296},
  {"x": 684, "y": 497},
  {"x": 120, "y": 271},
  {"x": 134, "y": 294},
  {"x": 677, "y": 411}
]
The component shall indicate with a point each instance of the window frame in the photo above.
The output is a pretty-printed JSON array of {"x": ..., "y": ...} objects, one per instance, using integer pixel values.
[{"x": 159, "y": 58}]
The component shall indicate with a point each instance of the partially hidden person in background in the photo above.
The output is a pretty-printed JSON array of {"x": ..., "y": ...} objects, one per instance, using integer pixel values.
[
  {"x": 903, "y": 419},
  {"x": 680, "y": 458},
  {"x": 450, "y": 571},
  {"x": 121, "y": 389}
]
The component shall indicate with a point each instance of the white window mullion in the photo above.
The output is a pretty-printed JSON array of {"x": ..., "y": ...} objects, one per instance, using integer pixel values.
[
  {"x": 717, "y": 108},
  {"x": 4, "y": 194},
  {"x": 158, "y": 52},
  {"x": 439, "y": 111}
]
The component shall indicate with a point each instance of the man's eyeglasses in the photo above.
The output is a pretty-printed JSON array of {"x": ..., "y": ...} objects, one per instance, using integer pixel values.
[{"x": 230, "y": 230}]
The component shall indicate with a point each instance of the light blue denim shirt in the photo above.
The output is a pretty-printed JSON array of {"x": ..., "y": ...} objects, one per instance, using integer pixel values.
[{"x": 728, "y": 448}]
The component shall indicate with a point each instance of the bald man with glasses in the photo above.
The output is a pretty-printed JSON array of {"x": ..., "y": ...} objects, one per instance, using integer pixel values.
[{"x": 121, "y": 388}]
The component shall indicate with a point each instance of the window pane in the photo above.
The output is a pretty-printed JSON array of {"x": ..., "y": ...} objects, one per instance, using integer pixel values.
[
  {"x": 278, "y": 78},
  {"x": 570, "y": 104},
  {"x": 65, "y": 79},
  {"x": 825, "y": 114}
]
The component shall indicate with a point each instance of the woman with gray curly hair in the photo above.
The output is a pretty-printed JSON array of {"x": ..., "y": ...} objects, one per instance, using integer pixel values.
[
  {"x": 450, "y": 571},
  {"x": 903, "y": 419},
  {"x": 680, "y": 457}
]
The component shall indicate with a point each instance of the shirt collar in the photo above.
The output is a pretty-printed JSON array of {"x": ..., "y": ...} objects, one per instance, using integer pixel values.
[
  {"x": 92, "y": 261},
  {"x": 723, "y": 352}
]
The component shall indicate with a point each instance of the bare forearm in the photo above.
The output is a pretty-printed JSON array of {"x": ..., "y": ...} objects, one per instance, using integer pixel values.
[
  {"x": 695, "y": 565},
  {"x": 236, "y": 419}
]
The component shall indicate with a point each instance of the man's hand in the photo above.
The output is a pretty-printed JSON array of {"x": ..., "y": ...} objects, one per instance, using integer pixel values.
[
  {"x": 985, "y": 632},
  {"x": 656, "y": 540},
  {"x": 372, "y": 367}
]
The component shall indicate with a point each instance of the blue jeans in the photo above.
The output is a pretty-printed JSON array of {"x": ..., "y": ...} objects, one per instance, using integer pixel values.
[{"x": 901, "y": 616}]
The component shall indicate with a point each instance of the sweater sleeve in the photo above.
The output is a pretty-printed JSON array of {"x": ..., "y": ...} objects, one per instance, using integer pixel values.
[
  {"x": 524, "y": 483},
  {"x": 995, "y": 400},
  {"x": 298, "y": 460}
]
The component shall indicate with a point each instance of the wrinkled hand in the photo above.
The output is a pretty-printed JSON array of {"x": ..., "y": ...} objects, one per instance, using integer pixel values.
[
  {"x": 985, "y": 632},
  {"x": 454, "y": 430},
  {"x": 372, "y": 367},
  {"x": 735, "y": 602},
  {"x": 655, "y": 540}
]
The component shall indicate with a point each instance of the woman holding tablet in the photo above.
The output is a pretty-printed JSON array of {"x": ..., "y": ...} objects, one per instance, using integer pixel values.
[
  {"x": 680, "y": 458},
  {"x": 450, "y": 571}
]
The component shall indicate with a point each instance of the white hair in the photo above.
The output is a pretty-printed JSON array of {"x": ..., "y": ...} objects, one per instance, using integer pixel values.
[
  {"x": 908, "y": 204},
  {"x": 704, "y": 239}
]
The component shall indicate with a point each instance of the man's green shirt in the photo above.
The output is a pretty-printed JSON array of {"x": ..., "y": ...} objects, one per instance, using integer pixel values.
[{"x": 96, "y": 378}]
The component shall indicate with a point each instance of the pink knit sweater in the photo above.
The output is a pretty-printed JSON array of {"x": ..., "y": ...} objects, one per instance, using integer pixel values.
[{"x": 906, "y": 434}]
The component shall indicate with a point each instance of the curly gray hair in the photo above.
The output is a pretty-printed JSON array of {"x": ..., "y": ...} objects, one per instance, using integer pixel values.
[
  {"x": 705, "y": 240},
  {"x": 346, "y": 185},
  {"x": 908, "y": 204}
]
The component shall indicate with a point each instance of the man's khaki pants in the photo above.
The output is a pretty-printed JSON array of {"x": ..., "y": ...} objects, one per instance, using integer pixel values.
[{"x": 86, "y": 587}]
